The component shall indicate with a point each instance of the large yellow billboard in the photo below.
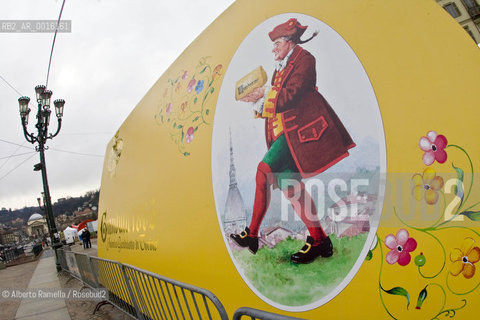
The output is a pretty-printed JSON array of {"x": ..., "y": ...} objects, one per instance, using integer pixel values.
[{"x": 314, "y": 159}]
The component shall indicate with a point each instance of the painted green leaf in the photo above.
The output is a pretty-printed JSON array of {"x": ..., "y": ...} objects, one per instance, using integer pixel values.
[
  {"x": 174, "y": 124},
  {"x": 203, "y": 70},
  {"x": 472, "y": 215},
  {"x": 399, "y": 291},
  {"x": 195, "y": 100},
  {"x": 421, "y": 297},
  {"x": 186, "y": 154},
  {"x": 207, "y": 112},
  {"x": 211, "y": 90},
  {"x": 458, "y": 188},
  {"x": 183, "y": 135},
  {"x": 196, "y": 128},
  {"x": 179, "y": 126},
  {"x": 369, "y": 255},
  {"x": 196, "y": 118}
]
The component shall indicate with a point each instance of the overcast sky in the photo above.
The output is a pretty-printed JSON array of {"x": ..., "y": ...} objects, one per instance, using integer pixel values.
[{"x": 116, "y": 51}]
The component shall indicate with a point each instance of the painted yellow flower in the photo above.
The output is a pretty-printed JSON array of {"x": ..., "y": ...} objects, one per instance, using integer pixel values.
[
  {"x": 216, "y": 71},
  {"x": 427, "y": 185},
  {"x": 464, "y": 259},
  {"x": 178, "y": 86}
]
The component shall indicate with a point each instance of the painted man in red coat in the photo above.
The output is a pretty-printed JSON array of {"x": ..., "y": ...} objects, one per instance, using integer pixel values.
[{"x": 304, "y": 137}]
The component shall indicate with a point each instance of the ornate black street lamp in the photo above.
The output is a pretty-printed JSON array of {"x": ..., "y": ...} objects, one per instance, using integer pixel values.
[{"x": 43, "y": 119}]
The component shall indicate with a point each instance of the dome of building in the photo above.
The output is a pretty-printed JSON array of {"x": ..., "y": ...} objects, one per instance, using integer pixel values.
[{"x": 35, "y": 216}]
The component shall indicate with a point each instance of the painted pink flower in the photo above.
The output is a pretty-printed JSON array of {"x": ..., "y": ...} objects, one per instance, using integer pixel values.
[
  {"x": 185, "y": 75},
  {"x": 191, "y": 85},
  {"x": 189, "y": 135},
  {"x": 400, "y": 247},
  {"x": 169, "y": 109},
  {"x": 433, "y": 145}
]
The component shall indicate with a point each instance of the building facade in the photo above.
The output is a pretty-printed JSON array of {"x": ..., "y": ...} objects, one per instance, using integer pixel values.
[
  {"x": 7, "y": 236},
  {"x": 37, "y": 226},
  {"x": 351, "y": 215},
  {"x": 466, "y": 13}
]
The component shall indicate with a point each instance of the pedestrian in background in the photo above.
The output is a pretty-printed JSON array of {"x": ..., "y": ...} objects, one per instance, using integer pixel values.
[{"x": 86, "y": 235}]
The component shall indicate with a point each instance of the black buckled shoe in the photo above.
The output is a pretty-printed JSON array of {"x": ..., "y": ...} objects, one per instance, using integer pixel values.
[
  {"x": 244, "y": 240},
  {"x": 309, "y": 252}
]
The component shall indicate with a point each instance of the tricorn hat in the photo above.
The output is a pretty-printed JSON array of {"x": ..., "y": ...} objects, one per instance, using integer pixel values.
[{"x": 292, "y": 28}]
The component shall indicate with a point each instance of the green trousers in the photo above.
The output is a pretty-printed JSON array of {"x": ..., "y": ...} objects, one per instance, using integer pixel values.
[{"x": 280, "y": 160}]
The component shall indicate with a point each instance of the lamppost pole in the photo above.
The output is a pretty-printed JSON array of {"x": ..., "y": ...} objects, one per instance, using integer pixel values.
[
  {"x": 47, "y": 201},
  {"x": 43, "y": 119}
]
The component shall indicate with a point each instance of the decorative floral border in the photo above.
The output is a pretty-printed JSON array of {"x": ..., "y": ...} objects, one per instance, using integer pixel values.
[
  {"x": 428, "y": 187},
  {"x": 185, "y": 103}
]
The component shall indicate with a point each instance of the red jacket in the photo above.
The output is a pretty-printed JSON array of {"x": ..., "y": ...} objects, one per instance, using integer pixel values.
[{"x": 315, "y": 135}]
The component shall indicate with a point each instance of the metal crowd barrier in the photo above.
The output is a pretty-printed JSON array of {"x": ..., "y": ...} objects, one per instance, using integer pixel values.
[
  {"x": 62, "y": 259},
  {"x": 162, "y": 298},
  {"x": 144, "y": 295},
  {"x": 139, "y": 293},
  {"x": 111, "y": 276},
  {"x": 10, "y": 254},
  {"x": 72, "y": 264},
  {"x": 254, "y": 314},
  {"x": 37, "y": 249}
]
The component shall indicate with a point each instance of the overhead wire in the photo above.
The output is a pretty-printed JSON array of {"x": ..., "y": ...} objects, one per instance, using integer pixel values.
[
  {"x": 54, "y": 149},
  {"x": 12, "y": 155},
  {"x": 16, "y": 155},
  {"x": 46, "y": 85},
  {"x": 84, "y": 133},
  {"x": 16, "y": 144},
  {"x": 4, "y": 176},
  {"x": 33, "y": 154},
  {"x": 18, "y": 92},
  {"x": 12, "y": 87},
  {"x": 77, "y": 153},
  {"x": 53, "y": 44}
]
